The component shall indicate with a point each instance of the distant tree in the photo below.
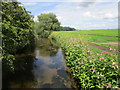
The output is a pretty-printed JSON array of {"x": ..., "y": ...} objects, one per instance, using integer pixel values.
[
  {"x": 47, "y": 23},
  {"x": 66, "y": 29}
]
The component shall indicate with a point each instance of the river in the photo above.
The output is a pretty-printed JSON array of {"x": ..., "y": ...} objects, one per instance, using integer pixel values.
[{"x": 45, "y": 67}]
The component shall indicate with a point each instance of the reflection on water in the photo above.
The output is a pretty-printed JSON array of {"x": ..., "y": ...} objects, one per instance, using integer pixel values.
[{"x": 46, "y": 68}]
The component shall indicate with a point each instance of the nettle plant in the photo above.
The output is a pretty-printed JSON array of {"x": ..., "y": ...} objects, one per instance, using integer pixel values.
[{"x": 92, "y": 70}]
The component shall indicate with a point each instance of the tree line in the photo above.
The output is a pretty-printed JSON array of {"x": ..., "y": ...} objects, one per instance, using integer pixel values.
[
  {"x": 47, "y": 23},
  {"x": 19, "y": 30}
]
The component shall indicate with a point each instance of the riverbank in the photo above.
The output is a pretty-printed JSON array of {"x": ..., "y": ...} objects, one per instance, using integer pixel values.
[{"x": 91, "y": 67}]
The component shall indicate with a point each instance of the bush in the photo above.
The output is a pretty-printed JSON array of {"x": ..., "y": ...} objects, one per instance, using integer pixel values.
[{"x": 17, "y": 30}]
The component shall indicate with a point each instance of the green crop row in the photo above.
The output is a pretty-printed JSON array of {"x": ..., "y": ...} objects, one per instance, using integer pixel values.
[
  {"x": 91, "y": 69},
  {"x": 94, "y": 39},
  {"x": 91, "y": 38},
  {"x": 105, "y": 32}
]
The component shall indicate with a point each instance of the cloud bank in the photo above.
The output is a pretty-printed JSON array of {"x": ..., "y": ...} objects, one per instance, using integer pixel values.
[
  {"x": 87, "y": 15},
  {"x": 83, "y": 14}
]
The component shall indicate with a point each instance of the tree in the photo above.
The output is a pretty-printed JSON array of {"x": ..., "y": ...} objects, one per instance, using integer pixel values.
[
  {"x": 66, "y": 29},
  {"x": 47, "y": 23},
  {"x": 17, "y": 30}
]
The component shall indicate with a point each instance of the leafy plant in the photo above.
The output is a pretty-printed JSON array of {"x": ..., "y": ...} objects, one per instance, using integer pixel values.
[
  {"x": 17, "y": 30},
  {"x": 91, "y": 69}
]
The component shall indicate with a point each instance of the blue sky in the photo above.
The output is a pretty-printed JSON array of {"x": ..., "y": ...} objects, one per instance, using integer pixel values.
[
  {"x": 82, "y": 14},
  {"x": 40, "y": 7}
]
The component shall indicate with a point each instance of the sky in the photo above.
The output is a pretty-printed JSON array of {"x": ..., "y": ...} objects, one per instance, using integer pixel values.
[{"x": 79, "y": 14}]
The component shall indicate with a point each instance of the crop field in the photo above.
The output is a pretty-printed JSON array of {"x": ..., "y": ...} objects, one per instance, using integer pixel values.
[
  {"x": 107, "y": 38},
  {"x": 106, "y": 32},
  {"x": 92, "y": 59}
]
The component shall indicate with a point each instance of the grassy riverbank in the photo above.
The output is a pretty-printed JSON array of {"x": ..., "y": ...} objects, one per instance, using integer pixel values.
[{"x": 93, "y": 65}]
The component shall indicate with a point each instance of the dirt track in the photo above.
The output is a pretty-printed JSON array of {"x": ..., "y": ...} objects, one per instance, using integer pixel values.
[
  {"x": 102, "y": 35},
  {"x": 103, "y": 48},
  {"x": 111, "y": 43}
]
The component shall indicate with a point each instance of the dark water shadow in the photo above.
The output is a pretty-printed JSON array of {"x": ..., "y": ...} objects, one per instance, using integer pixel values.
[{"x": 43, "y": 68}]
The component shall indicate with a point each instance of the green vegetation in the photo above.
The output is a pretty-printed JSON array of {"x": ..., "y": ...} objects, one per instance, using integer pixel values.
[
  {"x": 100, "y": 38},
  {"x": 106, "y": 32},
  {"x": 17, "y": 31},
  {"x": 91, "y": 38},
  {"x": 66, "y": 29},
  {"x": 92, "y": 68},
  {"x": 47, "y": 23}
]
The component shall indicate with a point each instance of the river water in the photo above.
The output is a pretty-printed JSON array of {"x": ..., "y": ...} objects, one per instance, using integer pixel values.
[{"x": 45, "y": 67}]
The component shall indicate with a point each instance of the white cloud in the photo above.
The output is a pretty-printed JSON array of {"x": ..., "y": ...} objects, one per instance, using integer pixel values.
[
  {"x": 68, "y": 0},
  {"x": 28, "y": 3},
  {"x": 84, "y": 15},
  {"x": 102, "y": 16},
  {"x": 35, "y": 18},
  {"x": 46, "y": 4},
  {"x": 89, "y": 15},
  {"x": 111, "y": 15}
]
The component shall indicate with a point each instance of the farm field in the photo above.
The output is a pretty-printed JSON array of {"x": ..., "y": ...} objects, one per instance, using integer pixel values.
[
  {"x": 106, "y": 32},
  {"x": 107, "y": 38},
  {"x": 93, "y": 63}
]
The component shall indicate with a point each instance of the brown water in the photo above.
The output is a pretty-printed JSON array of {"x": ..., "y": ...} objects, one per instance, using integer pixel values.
[{"x": 43, "y": 68}]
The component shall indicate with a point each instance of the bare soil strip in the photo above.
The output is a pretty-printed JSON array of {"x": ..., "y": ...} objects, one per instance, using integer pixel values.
[
  {"x": 99, "y": 46},
  {"x": 111, "y": 43},
  {"x": 103, "y": 48},
  {"x": 102, "y": 35}
]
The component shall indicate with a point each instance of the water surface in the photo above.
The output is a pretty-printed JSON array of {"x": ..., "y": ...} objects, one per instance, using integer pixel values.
[{"x": 43, "y": 68}]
